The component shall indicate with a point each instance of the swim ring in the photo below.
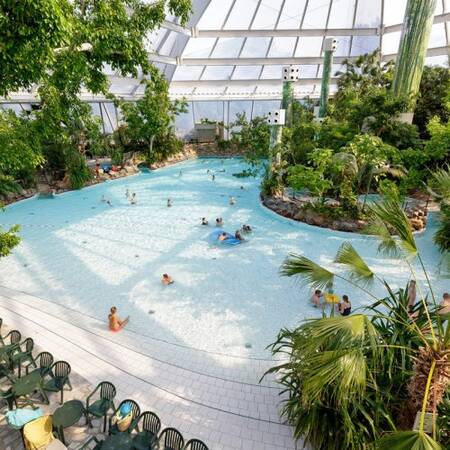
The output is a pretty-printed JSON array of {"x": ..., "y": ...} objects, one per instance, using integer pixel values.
[{"x": 230, "y": 240}]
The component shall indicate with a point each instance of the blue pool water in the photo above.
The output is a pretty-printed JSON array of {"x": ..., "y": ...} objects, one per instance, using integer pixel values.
[{"x": 80, "y": 252}]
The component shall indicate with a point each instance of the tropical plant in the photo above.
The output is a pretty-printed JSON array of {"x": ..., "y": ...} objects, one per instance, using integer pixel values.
[
  {"x": 301, "y": 177},
  {"x": 358, "y": 382},
  {"x": 8, "y": 240}
]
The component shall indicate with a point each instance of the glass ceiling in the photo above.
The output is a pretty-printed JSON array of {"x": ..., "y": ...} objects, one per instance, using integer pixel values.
[{"x": 234, "y": 49}]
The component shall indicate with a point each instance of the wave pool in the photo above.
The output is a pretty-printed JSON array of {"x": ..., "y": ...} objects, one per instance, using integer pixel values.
[{"x": 84, "y": 254}]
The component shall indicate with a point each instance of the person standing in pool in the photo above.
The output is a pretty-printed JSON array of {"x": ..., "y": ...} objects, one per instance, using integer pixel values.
[
  {"x": 133, "y": 198},
  {"x": 411, "y": 295},
  {"x": 345, "y": 307},
  {"x": 166, "y": 279},
  {"x": 169, "y": 202},
  {"x": 115, "y": 323}
]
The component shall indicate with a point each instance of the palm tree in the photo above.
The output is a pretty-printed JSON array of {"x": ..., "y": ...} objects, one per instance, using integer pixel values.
[{"x": 381, "y": 370}]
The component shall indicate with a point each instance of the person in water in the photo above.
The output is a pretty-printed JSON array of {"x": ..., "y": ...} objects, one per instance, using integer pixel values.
[
  {"x": 411, "y": 295},
  {"x": 166, "y": 279},
  {"x": 315, "y": 298},
  {"x": 246, "y": 228},
  {"x": 213, "y": 177},
  {"x": 232, "y": 200},
  {"x": 169, "y": 202},
  {"x": 133, "y": 198},
  {"x": 204, "y": 221},
  {"x": 444, "y": 307},
  {"x": 219, "y": 222},
  {"x": 223, "y": 236},
  {"x": 127, "y": 193},
  {"x": 345, "y": 307},
  {"x": 238, "y": 235},
  {"x": 103, "y": 199},
  {"x": 115, "y": 323},
  {"x": 109, "y": 202}
]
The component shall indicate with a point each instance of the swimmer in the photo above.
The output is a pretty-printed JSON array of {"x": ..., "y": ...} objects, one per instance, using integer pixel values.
[
  {"x": 181, "y": 173},
  {"x": 166, "y": 279},
  {"x": 223, "y": 237},
  {"x": 246, "y": 228},
  {"x": 127, "y": 193},
  {"x": 109, "y": 202},
  {"x": 219, "y": 222},
  {"x": 208, "y": 171},
  {"x": 169, "y": 202},
  {"x": 238, "y": 235},
  {"x": 204, "y": 221},
  {"x": 115, "y": 324},
  {"x": 242, "y": 188},
  {"x": 232, "y": 200},
  {"x": 103, "y": 199},
  {"x": 133, "y": 198},
  {"x": 213, "y": 177}
]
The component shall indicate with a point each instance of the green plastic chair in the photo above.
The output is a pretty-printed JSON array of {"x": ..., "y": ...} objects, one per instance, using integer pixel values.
[
  {"x": 135, "y": 412},
  {"x": 100, "y": 407},
  {"x": 171, "y": 439},
  {"x": 59, "y": 374},
  {"x": 19, "y": 356},
  {"x": 14, "y": 338},
  {"x": 147, "y": 428},
  {"x": 195, "y": 444},
  {"x": 43, "y": 362}
]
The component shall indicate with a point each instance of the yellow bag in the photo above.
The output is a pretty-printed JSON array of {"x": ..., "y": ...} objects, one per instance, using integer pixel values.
[{"x": 37, "y": 434}]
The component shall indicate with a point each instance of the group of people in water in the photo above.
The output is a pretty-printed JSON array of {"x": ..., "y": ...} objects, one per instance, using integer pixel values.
[
  {"x": 319, "y": 299},
  {"x": 222, "y": 237}
]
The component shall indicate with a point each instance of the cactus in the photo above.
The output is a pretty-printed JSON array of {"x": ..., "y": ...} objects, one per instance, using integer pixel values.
[{"x": 413, "y": 47}]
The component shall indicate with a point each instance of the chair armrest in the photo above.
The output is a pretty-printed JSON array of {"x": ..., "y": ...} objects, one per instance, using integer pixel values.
[{"x": 88, "y": 398}]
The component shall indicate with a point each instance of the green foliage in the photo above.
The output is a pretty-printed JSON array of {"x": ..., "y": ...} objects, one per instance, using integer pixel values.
[
  {"x": 437, "y": 148},
  {"x": 30, "y": 30},
  {"x": 73, "y": 40},
  {"x": 432, "y": 98},
  {"x": 301, "y": 177},
  {"x": 152, "y": 116},
  {"x": 20, "y": 153},
  {"x": 76, "y": 169},
  {"x": 8, "y": 240},
  {"x": 252, "y": 137}
]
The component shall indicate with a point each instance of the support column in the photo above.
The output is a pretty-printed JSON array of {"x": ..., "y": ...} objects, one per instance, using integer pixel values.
[
  {"x": 413, "y": 47},
  {"x": 288, "y": 100},
  {"x": 329, "y": 47}
]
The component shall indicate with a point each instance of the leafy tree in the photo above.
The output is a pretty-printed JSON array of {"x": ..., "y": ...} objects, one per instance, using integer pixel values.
[
  {"x": 30, "y": 30},
  {"x": 153, "y": 115},
  {"x": 437, "y": 148},
  {"x": 74, "y": 39},
  {"x": 8, "y": 240},
  {"x": 432, "y": 98},
  {"x": 20, "y": 154}
]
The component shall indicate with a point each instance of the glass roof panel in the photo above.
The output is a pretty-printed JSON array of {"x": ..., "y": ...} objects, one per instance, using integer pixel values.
[
  {"x": 267, "y": 14},
  {"x": 368, "y": 14},
  {"x": 343, "y": 46},
  {"x": 437, "y": 37},
  {"x": 199, "y": 48},
  {"x": 217, "y": 73},
  {"x": 291, "y": 15},
  {"x": 342, "y": 13},
  {"x": 282, "y": 46},
  {"x": 272, "y": 72},
  {"x": 187, "y": 73},
  {"x": 246, "y": 72},
  {"x": 308, "y": 71},
  {"x": 390, "y": 43},
  {"x": 227, "y": 48},
  {"x": 241, "y": 15},
  {"x": 365, "y": 44},
  {"x": 309, "y": 46},
  {"x": 316, "y": 14},
  {"x": 214, "y": 16},
  {"x": 394, "y": 12},
  {"x": 255, "y": 47}
]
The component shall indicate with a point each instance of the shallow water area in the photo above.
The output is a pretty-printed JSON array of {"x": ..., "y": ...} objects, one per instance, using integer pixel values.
[{"x": 86, "y": 255}]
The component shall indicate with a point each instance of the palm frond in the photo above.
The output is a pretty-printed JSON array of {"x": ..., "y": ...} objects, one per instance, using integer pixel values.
[
  {"x": 408, "y": 440},
  {"x": 390, "y": 213},
  {"x": 440, "y": 183},
  {"x": 358, "y": 269},
  {"x": 310, "y": 273},
  {"x": 388, "y": 245}
]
